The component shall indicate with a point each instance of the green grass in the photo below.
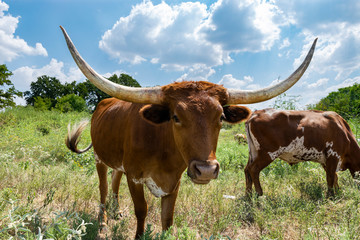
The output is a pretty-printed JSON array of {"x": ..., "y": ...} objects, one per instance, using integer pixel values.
[{"x": 46, "y": 191}]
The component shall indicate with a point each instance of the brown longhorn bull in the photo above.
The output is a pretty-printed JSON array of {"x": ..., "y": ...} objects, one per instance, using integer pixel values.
[
  {"x": 298, "y": 136},
  {"x": 153, "y": 134}
]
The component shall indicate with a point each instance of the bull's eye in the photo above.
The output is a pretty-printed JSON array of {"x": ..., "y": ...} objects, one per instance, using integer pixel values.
[
  {"x": 176, "y": 119},
  {"x": 222, "y": 117}
]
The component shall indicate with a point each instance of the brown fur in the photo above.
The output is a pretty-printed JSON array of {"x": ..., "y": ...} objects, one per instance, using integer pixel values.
[{"x": 191, "y": 89}]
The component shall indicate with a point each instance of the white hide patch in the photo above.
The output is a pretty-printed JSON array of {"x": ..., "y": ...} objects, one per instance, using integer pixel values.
[
  {"x": 271, "y": 111},
  {"x": 121, "y": 169},
  {"x": 154, "y": 189},
  {"x": 253, "y": 144},
  {"x": 296, "y": 152},
  {"x": 251, "y": 136},
  {"x": 331, "y": 152},
  {"x": 97, "y": 159}
]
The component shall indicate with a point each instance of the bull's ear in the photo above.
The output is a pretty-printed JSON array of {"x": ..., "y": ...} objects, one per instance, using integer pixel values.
[
  {"x": 155, "y": 114},
  {"x": 236, "y": 114}
]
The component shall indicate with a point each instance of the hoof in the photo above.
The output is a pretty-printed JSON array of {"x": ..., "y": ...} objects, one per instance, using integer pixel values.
[
  {"x": 118, "y": 215},
  {"x": 103, "y": 228}
]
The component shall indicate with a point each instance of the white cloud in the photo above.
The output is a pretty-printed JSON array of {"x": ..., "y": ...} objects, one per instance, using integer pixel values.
[
  {"x": 338, "y": 49},
  {"x": 230, "y": 82},
  {"x": 286, "y": 43},
  {"x": 117, "y": 72},
  {"x": 321, "y": 82},
  {"x": 12, "y": 46},
  {"x": 337, "y": 25},
  {"x": 244, "y": 25},
  {"x": 197, "y": 72},
  {"x": 165, "y": 34},
  {"x": 22, "y": 77},
  {"x": 189, "y": 34}
]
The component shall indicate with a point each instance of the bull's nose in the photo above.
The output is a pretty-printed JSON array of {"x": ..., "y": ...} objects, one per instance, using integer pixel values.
[{"x": 203, "y": 171}]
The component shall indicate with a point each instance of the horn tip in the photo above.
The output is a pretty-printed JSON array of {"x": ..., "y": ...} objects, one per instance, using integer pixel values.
[
  {"x": 62, "y": 29},
  {"x": 315, "y": 41}
]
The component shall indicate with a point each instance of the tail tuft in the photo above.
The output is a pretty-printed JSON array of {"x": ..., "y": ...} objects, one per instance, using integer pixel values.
[{"x": 73, "y": 137}]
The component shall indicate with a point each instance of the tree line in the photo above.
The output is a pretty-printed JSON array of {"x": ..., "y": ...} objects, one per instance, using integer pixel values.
[
  {"x": 345, "y": 101},
  {"x": 49, "y": 93}
]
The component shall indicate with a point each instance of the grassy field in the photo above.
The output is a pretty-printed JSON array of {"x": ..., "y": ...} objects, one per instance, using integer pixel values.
[{"x": 46, "y": 192}]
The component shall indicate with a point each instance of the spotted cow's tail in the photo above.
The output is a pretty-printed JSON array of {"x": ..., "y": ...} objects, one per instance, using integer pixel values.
[{"x": 73, "y": 137}]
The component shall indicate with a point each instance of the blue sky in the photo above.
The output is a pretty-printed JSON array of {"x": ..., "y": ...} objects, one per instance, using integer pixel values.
[{"x": 238, "y": 43}]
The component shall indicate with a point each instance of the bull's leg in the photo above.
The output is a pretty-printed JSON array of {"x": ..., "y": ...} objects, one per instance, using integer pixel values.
[
  {"x": 137, "y": 195},
  {"x": 115, "y": 184},
  {"x": 103, "y": 187},
  {"x": 167, "y": 209},
  {"x": 331, "y": 175}
]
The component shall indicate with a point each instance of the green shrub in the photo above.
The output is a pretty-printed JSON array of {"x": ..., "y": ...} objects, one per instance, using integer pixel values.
[
  {"x": 71, "y": 102},
  {"x": 42, "y": 103}
]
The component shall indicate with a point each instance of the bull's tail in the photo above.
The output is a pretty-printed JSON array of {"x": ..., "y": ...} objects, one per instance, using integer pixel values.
[{"x": 73, "y": 137}]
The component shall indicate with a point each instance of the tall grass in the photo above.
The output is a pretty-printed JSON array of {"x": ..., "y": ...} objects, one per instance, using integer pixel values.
[{"x": 47, "y": 192}]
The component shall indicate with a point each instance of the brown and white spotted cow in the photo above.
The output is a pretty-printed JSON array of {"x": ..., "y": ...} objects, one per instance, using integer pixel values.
[
  {"x": 298, "y": 136},
  {"x": 240, "y": 138},
  {"x": 153, "y": 134}
]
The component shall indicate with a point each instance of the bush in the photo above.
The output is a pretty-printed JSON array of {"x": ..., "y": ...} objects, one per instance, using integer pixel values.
[
  {"x": 42, "y": 103},
  {"x": 71, "y": 102}
]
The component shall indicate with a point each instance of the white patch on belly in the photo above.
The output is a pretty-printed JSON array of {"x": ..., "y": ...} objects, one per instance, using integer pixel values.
[
  {"x": 154, "y": 189},
  {"x": 296, "y": 152}
]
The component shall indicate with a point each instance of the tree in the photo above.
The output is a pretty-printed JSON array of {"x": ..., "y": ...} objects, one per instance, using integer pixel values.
[
  {"x": 286, "y": 102},
  {"x": 7, "y": 89},
  {"x": 45, "y": 87},
  {"x": 345, "y": 101},
  {"x": 95, "y": 95}
]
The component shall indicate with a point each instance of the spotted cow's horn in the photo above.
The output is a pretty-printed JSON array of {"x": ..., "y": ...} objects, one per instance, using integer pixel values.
[
  {"x": 237, "y": 96},
  {"x": 152, "y": 95}
]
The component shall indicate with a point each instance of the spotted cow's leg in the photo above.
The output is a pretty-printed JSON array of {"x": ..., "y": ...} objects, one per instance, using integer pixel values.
[
  {"x": 140, "y": 205},
  {"x": 103, "y": 187},
  {"x": 115, "y": 184},
  {"x": 331, "y": 175},
  {"x": 254, "y": 168},
  {"x": 248, "y": 178},
  {"x": 167, "y": 209}
]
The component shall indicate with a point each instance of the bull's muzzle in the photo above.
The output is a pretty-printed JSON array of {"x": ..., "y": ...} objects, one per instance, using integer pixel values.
[{"x": 201, "y": 172}]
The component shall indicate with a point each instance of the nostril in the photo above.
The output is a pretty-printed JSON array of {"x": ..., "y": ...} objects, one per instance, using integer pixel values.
[
  {"x": 197, "y": 170},
  {"x": 217, "y": 170}
]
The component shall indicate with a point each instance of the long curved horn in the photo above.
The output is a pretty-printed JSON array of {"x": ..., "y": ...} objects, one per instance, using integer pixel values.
[
  {"x": 152, "y": 95},
  {"x": 253, "y": 96}
]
